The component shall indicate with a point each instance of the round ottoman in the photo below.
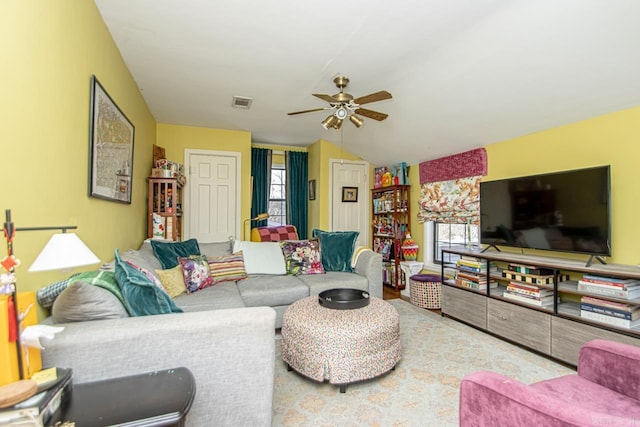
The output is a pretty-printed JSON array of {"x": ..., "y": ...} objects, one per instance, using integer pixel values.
[
  {"x": 425, "y": 290},
  {"x": 341, "y": 346}
]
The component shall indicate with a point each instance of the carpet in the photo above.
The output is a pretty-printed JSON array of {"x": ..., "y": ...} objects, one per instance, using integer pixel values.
[{"x": 423, "y": 390}]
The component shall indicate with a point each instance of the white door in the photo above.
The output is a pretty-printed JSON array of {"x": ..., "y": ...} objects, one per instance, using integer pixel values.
[
  {"x": 212, "y": 195},
  {"x": 350, "y": 215}
]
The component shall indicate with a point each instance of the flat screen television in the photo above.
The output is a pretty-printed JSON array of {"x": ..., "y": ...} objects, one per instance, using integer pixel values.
[{"x": 565, "y": 211}]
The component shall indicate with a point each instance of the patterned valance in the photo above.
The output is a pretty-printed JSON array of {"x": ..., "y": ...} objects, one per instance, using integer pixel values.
[
  {"x": 469, "y": 163},
  {"x": 454, "y": 202}
]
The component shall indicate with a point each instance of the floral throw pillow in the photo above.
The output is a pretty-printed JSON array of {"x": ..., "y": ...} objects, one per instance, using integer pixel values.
[
  {"x": 302, "y": 257},
  {"x": 195, "y": 270}
]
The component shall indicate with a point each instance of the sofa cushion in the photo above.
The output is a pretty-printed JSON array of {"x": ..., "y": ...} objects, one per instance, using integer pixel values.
[
  {"x": 142, "y": 297},
  {"x": 334, "y": 279},
  {"x": 337, "y": 249},
  {"x": 172, "y": 281},
  {"x": 102, "y": 279},
  {"x": 227, "y": 268},
  {"x": 48, "y": 294},
  {"x": 82, "y": 301},
  {"x": 216, "y": 248},
  {"x": 271, "y": 290},
  {"x": 195, "y": 270},
  {"x": 220, "y": 296},
  {"x": 261, "y": 257},
  {"x": 168, "y": 252},
  {"x": 302, "y": 257}
]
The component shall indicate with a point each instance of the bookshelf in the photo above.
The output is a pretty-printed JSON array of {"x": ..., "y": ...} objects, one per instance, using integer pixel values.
[
  {"x": 546, "y": 304},
  {"x": 164, "y": 208},
  {"x": 390, "y": 223}
]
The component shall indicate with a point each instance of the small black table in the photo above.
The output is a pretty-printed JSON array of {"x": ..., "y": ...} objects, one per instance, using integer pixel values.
[{"x": 160, "y": 398}]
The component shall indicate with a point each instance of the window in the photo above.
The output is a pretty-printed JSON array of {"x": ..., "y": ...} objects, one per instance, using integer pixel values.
[
  {"x": 453, "y": 236},
  {"x": 278, "y": 196}
]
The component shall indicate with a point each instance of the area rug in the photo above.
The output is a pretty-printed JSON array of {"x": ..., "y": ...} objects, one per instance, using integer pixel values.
[{"x": 423, "y": 390}]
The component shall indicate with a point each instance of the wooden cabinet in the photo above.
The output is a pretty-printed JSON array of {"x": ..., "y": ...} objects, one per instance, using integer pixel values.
[
  {"x": 165, "y": 209},
  {"x": 390, "y": 223},
  {"x": 558, "y": 327}
]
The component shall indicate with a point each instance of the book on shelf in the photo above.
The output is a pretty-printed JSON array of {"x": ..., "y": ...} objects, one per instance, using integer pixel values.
[
  {"x": 530, "y": 269},
  {"x": 611, "y": 304},
  {"x": 38, "y": 409},
  {"x": 471, "y": 276},
  {"x": 534, "y": 278},
  {"x": 475, "y": 285},
  {"x": 609, "y": 291},
  {"x": 540, "y": 302},
  {"x": 609, "y": 320},
  {"x": 517, "y": 288},
  {"x": 611, "y": 281},
  {"x": 629, "y": 315}
]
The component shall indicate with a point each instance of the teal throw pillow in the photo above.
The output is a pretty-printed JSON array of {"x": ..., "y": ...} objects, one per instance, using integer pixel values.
[
  {"x": 141, "y": 296},
  {"x": 337, "y": 249},
  {"x": 168, "y": 252}
]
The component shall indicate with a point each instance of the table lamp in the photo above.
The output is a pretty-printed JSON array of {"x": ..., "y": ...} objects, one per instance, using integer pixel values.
[{"x": 63, "y": 251}]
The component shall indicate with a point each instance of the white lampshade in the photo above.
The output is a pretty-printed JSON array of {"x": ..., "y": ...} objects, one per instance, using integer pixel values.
[{"x": 63, "y": 252}]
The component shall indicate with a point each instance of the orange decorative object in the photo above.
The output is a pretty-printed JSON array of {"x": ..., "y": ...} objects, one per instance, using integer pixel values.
[{"x": 409, "y": 248}]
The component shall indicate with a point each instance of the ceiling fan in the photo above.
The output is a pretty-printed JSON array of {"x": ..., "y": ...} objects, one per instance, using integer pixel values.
[{"x": 344, "y": 106}]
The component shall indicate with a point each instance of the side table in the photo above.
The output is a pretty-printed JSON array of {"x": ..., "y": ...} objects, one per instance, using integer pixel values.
[
  {"x": 409, "y": 268},
  {"x": 160, "y": 398}
]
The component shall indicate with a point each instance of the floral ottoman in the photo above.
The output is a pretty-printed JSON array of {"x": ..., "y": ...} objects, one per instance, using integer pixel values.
[{"x": 341, "y": 346}]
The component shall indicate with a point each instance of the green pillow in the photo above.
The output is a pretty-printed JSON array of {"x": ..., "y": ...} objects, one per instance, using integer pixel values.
[
  {"x": 168, "y": 252},
  {"x": 103, "y": 279},
  {"x": 337, "y": 248},
  {"x": 141, "y": 296}
]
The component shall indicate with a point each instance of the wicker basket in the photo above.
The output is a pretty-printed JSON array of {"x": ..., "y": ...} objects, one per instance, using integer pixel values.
[{"x": 425, "y": 290}]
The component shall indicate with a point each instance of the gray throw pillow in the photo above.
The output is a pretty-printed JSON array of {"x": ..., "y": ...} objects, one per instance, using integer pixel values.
[{"x": 82, "y": 301}]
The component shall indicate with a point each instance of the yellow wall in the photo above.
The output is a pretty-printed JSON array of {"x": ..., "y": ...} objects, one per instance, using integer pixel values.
[
  {"x": 610, "y": 139},
  {"x": 50, "y": 49}
]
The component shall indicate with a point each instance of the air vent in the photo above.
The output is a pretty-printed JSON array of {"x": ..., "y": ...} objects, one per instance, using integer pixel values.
[{"x": 241, "y": 102}]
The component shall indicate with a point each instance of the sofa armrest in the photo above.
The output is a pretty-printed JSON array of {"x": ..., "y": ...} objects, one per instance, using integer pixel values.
[
  {"x": 231, "y": 354},
  {"x": 369, "y": 265},
  {"x": 491, "y": 399},
  {"x": 611, "y": 364}
]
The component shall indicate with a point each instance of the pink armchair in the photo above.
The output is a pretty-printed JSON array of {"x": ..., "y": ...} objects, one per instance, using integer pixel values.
[{"x": 605, "y": 393}]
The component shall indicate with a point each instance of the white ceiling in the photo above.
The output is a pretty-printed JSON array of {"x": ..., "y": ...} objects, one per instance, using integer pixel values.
[{"x": 463, "y": 73}]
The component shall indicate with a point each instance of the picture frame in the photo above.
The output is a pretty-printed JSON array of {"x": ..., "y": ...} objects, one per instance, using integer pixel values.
[
  {"x": 350, "y": 194},
  {"x": 312, "y": 189},
  {"x": 111, "y": 138}
]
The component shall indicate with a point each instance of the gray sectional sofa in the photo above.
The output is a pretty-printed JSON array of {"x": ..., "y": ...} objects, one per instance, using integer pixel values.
[{"x": 226, "y": 337}]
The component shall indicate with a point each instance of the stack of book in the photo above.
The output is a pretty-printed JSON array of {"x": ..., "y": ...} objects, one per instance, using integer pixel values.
[
  {"x": 610, "y": 312},
  {"x": 472, "y": 273},
  {"x": 610, "y": 286},
  {"x": 528, "y": 294}
]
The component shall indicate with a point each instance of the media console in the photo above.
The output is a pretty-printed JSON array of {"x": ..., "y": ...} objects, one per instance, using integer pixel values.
[{"x": 555, "y": 322}]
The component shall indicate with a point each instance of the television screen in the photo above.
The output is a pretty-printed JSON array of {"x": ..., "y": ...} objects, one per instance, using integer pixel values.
[{"x": 564, "y": 211}]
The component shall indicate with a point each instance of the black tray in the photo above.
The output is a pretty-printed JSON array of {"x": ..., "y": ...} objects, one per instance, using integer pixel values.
[{"x": 344, "y": 299}]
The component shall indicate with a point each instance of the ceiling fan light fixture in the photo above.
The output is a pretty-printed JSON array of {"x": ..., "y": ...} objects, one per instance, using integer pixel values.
[
  {"x": 357, "y": 121},
  {"x": 329, "y": 122},
  {"x": 341, "y": 113},
  {"x": 338, "y": 124}
]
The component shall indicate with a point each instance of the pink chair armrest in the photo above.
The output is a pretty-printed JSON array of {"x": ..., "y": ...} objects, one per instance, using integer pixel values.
[
  {"x": 611, "y": 364},
  {"x": 491, "y": 399}
]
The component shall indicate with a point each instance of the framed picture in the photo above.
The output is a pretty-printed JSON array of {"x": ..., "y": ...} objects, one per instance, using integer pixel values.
[
  {"x": 312, "y": 189},
  {"x": 111, "y": 137},
  {"x": 349, "y": 194}
]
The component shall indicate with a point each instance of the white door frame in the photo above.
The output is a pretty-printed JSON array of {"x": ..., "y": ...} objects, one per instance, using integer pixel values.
[
  {"x": 186, "y": 190},
  {"x": 365, "y": 198}
]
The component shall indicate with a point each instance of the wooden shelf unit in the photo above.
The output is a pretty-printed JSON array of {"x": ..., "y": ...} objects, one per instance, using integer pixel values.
[
  {"x": 165, "y": 200},
  {"x": 557, "y": 330},
  {"x": 391, "y": 219}
]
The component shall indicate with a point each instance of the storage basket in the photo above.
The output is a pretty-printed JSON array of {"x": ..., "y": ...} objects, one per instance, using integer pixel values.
[{"x": 424, "y": 290}]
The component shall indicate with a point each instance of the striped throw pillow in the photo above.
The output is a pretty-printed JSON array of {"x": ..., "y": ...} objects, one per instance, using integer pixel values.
[{"x": 227, "y": 268}]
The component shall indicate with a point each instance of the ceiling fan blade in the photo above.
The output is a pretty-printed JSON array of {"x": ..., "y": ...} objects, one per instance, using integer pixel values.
[
  {"x": 308, "y": 111},
  {"x": 375, "y": 115},
  {"x": 330, "y": 99},
  {"x": 373, "y": 97}
]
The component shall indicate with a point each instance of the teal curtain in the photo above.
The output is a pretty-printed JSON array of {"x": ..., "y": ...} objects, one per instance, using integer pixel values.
[
  {"x": 297, "y": 164},
  {"x": 261, "y": 180}
]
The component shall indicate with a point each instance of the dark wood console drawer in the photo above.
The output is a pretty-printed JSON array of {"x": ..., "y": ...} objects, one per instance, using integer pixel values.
[
  {"x": 519, "y": 324},
  {"x": 466, "y": 306},
  {"x": 568, "y": 336}
]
